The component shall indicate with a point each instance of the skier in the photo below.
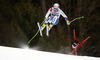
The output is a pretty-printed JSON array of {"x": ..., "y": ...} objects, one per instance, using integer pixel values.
[
  {"x": 75, "y": 44},
  {"x": 52, "y": 16}
]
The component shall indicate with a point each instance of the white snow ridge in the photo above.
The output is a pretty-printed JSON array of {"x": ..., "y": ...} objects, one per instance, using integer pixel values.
[{"x": 8, "y": 53}]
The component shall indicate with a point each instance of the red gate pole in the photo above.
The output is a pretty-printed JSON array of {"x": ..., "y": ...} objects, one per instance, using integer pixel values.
[{"x": 76, "y": 52}]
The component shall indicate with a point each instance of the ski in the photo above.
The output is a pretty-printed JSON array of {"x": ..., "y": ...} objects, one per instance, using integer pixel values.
[
  {"x": 39, "y": 28},
  {"x": 47, "y": 30},
  {"x": 80, "y": 45}
]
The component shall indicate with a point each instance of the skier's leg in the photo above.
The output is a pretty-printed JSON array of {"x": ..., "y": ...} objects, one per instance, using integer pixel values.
[
  {"x": 53, "y": 22},
  {"x": 46, "y": 22},
  {"x": 50, "y": 26},
  {"x": 43, "y": 26}
]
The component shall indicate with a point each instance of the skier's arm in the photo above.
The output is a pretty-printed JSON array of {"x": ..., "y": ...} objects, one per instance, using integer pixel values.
[
  {"x": 63, "y": 14},
  {"x": 66, "y": 18},
  {"x": 48, "y": 13}
]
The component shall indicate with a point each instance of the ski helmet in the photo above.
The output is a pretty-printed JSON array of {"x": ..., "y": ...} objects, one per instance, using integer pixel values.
[{"x": 56, "y": 5}]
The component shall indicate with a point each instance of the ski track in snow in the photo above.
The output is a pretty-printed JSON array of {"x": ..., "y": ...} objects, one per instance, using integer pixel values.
[{"x": 8, "y": 53}]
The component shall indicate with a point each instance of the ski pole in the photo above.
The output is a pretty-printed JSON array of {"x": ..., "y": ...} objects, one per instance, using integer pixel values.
[
  {"x": 35, "y": 34},
  {"x": 77, "y": 19},
  {"x": 33, "y": 37}
]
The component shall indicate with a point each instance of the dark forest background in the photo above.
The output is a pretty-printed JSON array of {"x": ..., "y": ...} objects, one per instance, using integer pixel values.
[{"x": 18, "y": 24}]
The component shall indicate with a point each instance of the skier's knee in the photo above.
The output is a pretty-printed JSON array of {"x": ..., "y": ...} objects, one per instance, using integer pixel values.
[
  {"x": 44, "y": 25},
  {"x": 50, "y": 25}
]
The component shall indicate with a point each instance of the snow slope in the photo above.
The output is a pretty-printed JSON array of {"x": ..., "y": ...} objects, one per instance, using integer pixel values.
[{"x": 8, "y": 53}]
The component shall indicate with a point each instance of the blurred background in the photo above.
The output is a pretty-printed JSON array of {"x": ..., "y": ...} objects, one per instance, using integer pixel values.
[{"x": 18, "y": 24}]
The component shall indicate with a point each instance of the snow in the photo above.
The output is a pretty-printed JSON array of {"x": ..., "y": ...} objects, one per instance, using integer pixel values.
[{"x": 8, "y": 53}]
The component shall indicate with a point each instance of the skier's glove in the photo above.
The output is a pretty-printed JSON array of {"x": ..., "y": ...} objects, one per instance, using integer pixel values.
[
  {"x": 46, "y": 19},
  {"x": 68, "y": 22}
]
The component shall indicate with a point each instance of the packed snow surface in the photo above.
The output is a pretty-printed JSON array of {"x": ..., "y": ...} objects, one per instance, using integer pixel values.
[{"x": 8, "y": 53}]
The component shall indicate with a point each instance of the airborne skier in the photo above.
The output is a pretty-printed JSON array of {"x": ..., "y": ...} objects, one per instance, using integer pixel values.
[{"x": 52, "y": 17}]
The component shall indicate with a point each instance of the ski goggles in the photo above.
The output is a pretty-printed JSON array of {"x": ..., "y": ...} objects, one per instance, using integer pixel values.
[{"x": 56, "y": 9}]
